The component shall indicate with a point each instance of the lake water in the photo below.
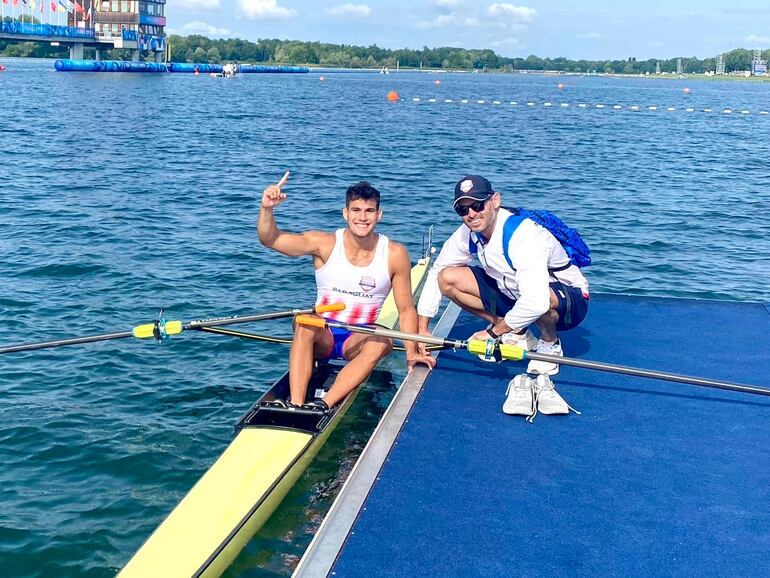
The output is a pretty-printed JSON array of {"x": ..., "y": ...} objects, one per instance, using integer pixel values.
[{"x": 121, "y": 194}]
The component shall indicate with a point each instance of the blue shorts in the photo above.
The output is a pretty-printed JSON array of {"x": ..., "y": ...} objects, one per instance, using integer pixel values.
[
  {"x": 572, "y": 309},
  {"x": 340, "y": 337}
]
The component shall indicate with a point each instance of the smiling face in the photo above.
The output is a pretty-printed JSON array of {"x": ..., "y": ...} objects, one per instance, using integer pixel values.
[
  {"x": 483, "y": 220},
  {"x": 362, "y": 216}
]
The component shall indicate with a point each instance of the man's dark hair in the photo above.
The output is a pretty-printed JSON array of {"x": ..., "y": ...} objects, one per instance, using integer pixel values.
[{"x": 362, "y": 190}]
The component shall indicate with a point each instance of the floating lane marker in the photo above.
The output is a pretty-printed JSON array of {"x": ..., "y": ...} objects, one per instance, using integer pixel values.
[{"x": 632, "y": 107}]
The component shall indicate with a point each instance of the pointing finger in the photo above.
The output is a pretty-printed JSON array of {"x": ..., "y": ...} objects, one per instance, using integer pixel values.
[{"x": 283, "y": 180}]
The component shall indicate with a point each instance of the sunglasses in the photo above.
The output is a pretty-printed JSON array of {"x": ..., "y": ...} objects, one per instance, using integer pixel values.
[{"x": 477, "y": 207}]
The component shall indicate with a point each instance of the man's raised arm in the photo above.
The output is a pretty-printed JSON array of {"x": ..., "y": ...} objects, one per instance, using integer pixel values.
[{"x": 291, "y": 244}]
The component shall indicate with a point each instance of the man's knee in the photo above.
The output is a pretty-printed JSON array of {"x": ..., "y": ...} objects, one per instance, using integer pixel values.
[
  {"x": 378, "y": 347},
  {"x": 450, "y": 279}
]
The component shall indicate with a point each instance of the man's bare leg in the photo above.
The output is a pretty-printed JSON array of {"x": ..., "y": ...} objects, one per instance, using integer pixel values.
[
  {"x": 547, "y": 323},
  {"x": 308, "y": 343},
  {"x": 364, "y": 352},
  {"x": 459, "y": 285}
]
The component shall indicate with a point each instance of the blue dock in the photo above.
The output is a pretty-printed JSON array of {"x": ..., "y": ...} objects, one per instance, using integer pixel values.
[{"x": 653, "y": 478}]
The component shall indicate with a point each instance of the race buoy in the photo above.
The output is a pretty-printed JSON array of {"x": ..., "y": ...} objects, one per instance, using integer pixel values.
[
  {"x": 321, "y": 78},
  {"x": 560, "y": 86},
  {"x": 393, "y": 96},
  {"x": 437, "y": 82},
  {"x": 2, "y": 67},
  {"x": 686, "y": 90}
]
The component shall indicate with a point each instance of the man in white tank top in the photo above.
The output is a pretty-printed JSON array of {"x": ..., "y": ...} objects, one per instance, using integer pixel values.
[{"x": 355, "y": 266}]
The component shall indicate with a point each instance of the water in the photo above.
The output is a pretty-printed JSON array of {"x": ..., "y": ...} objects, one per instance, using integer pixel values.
[{"x": 121, "y": 194}]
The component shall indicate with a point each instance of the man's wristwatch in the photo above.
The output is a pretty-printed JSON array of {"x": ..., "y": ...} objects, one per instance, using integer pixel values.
[{"x": 491, "y": 332}]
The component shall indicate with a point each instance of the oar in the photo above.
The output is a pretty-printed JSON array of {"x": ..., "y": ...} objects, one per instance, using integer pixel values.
[
  {"x": 162, "y": 328},
  {"x": 490, "y": 348}
]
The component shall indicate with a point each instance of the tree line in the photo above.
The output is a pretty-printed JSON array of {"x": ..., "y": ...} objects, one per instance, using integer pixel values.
[{"x": 198, "y": 48}]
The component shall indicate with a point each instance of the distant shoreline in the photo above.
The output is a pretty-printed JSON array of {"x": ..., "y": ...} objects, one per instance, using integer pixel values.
[{"x": 314, "y": 68}]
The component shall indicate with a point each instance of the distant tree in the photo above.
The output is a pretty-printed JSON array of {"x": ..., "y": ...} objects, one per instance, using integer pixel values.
[
  {"x": 212, "y": 55},
  {"x": 199, "y": 55}
]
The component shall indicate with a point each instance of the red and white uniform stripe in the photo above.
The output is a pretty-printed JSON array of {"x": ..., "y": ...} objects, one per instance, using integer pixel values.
[{"x": 362, "y": 289}]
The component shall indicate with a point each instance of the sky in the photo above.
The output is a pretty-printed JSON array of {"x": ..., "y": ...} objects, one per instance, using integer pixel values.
[{"x": 591, "y": 29}]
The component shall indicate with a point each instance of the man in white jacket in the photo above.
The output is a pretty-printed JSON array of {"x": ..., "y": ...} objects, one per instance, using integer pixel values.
[{"x": 524, "y": 277}]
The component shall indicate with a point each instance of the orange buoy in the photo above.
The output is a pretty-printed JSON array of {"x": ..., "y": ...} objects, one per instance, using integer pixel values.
[
  {"x": 686, "y": 90},
  {"x": 393, "y": 96},
  {"x": 321, "y": 78},
  {"x": 437, "y": 82},
  {"x": 2, "y": 67},
  {"x": 560, "y": 86}
]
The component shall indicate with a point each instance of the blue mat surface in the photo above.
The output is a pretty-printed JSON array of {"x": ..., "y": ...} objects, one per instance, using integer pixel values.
[{"x": 653, "y": 478}]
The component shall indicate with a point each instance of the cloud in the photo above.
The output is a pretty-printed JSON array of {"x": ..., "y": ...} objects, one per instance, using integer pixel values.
[
  {"x": 451, "y": 19},
  {"x": 202, "y": 28},
  {"x": 198, "y": 4},
  {"x": 515, "y": 14},
  {"x": 263, "y": 9},
  {"x": 757, "y": 41},
  {"x": 351, "y": 10},
  {"x": 446, "y": 3},
  {"x": 589, "y": 36}
]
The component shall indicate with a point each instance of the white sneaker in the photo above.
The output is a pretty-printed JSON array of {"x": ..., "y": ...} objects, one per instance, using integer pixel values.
[
  {"x": 548, "y": 401},
  {"x": 527, "y": 341},
  {"x": 521, "y": 396},
  {"x": 546, "y": 367}
]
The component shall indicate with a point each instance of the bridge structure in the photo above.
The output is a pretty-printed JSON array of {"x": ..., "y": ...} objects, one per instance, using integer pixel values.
[{"x": 136, "y": 25}]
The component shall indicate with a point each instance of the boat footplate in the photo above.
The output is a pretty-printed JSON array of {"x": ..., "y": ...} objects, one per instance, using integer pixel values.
[{"x": 276, "y": 415}]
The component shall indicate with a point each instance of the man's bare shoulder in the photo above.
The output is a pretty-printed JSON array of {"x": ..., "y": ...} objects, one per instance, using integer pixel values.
[{"x": 398, "y": 254}]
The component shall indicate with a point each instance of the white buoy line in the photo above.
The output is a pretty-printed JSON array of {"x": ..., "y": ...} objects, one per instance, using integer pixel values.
[{"x": 586, "y": 105}]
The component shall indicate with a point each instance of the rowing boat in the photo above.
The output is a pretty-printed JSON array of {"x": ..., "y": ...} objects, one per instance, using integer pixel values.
[{"x": 236, "y": 496}]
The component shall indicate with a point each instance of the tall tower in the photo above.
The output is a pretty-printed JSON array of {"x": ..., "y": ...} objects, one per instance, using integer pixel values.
[
  {"x": 657, "y": 68},
  {"x": 720, "y": 64},
  {"x": 679, "y": 68}
]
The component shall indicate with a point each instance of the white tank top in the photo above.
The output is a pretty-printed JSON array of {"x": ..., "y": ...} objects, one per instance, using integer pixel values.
[{"x": 362, "y": 289}]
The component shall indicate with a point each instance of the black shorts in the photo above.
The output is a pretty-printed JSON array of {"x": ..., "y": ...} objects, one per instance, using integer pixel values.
[{"x": 572, "y": 309}]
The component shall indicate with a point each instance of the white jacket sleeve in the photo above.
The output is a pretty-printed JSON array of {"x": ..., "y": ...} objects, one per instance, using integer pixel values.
[
  {"x": 530, "y": 260},
  {"x": 455, "y": 252}
]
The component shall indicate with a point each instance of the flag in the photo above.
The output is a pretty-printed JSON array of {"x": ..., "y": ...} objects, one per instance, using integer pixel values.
[
  {"x": 32, "y": 3},
  {"x": 53, "y": 6},
  {"x": 88, "y": 14},
  {"x": 5, "y": 1},
  {"x": 78, "y": 7},
  {"x": 70, "y": 6},
  {"x": 42, "y": 5}
]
